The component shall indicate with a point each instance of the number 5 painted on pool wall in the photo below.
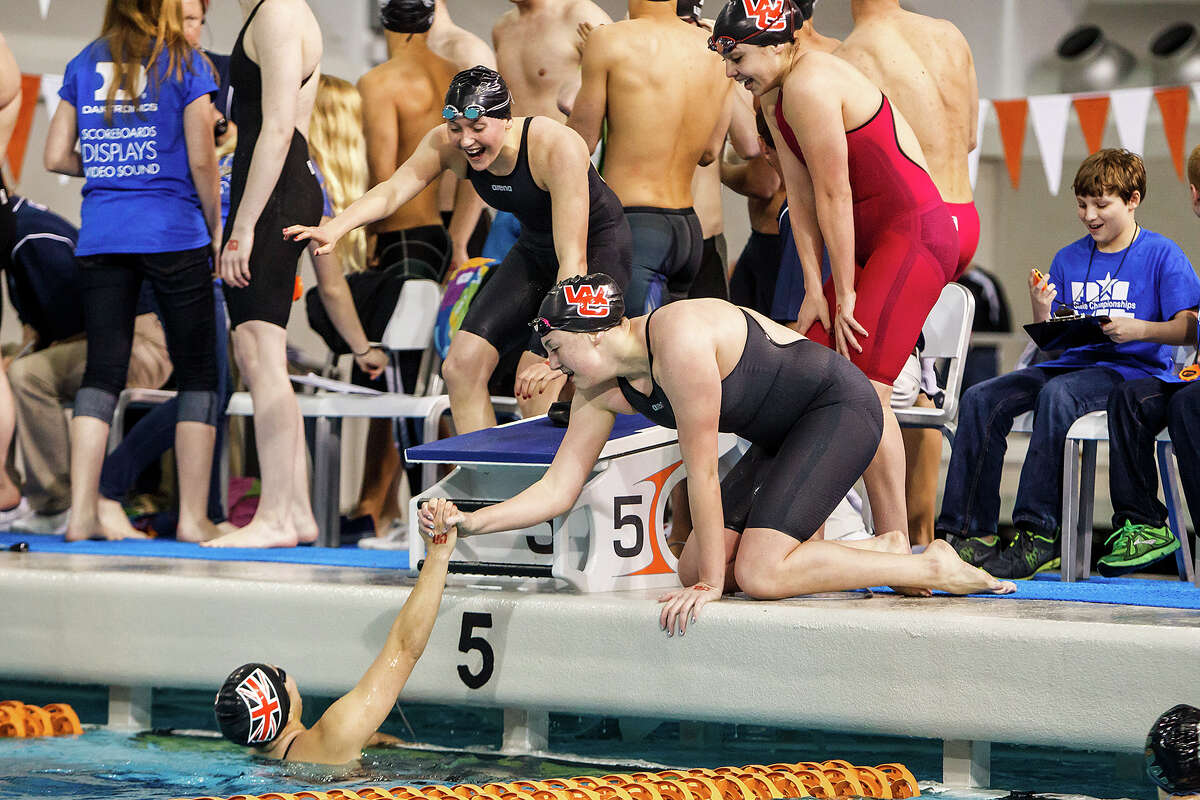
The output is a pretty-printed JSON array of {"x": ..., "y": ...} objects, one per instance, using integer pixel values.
[{"x": 468, "y": 642}]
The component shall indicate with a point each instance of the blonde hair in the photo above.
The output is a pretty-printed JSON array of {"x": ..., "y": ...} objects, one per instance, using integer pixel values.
[
  {"x": 143, "y": 30},
  {"x": 335, "y": 139}
]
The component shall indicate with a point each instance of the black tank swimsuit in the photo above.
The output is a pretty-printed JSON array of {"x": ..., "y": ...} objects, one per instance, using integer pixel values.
[
  {"x": 511, "y": 292},
  {"x": 295, "y": 200},
  {"x": 813, "y": 421}
]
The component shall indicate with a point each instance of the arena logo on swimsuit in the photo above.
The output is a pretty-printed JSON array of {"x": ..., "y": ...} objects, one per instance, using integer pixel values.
[
  {"x": 590, "y": 301},
  {"x": 767, "y": 14}
]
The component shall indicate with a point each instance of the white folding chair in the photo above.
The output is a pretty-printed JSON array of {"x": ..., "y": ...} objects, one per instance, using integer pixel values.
[
  {"x": 1079, "y": 495},
  {"x": 947, "y": 332}
]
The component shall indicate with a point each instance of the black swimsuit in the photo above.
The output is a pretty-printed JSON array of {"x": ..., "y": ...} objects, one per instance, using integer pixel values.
[
  {"x": 813, "y": 421},
  {"x": 295, "y": 200},
  {"x": 511, "y": 292}
]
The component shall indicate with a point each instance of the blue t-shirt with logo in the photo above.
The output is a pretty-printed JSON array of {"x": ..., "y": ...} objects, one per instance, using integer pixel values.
[
  {"x": 138, "y": 195},
  {"x": 1150, "y": 280}
]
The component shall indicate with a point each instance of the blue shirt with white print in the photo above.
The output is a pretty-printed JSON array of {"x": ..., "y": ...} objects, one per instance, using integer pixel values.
[
  {"x": 138, "y": 194},
  {"x": 1150, "y": 280}
]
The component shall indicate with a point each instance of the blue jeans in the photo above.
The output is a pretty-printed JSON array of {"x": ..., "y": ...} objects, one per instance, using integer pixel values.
[
  {"x": 1137, "y": 411},
  {"x": 971, "y": 503},
  {"x": 154, "y": 434}
]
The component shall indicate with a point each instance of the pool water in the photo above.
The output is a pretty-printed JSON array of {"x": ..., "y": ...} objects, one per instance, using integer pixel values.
[{"x": 103, "y": 764}]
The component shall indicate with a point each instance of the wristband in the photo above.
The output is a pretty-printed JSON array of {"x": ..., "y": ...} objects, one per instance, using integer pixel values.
[{"x": 364, "y": 352}]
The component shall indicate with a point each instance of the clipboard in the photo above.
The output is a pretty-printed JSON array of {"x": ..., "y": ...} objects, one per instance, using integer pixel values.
[{"x": 1062, "y": 333}]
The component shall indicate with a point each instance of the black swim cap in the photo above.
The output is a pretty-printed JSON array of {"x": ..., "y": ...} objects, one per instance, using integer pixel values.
[
  {"x": 581, "y": 304},
  {"x": 689, "y": 9},
  {"x": 253, "y": 704},
  {"x": 1173, "y": 750},
  {"x": 758, "y": 22},
  {"x": 406, "y": 16},
  {"x": 480, "y": 88}
]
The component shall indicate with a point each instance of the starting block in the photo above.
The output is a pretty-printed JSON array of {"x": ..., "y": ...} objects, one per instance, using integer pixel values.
[{"x": 612, "y": 538}]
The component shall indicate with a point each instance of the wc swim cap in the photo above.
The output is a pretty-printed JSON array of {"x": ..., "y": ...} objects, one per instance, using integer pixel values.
[
  {"x": 478, "y": 92},
  {"x": 253, "y": 704},
  {"x": 581, "y": 304},
  {"x": 758, "y": 22},
  {"x": 406, "y": 16},
  {"x": 1173, "y": 750}
]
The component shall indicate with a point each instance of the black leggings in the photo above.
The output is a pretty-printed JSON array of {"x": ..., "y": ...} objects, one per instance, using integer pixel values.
[
  {"x": 511, "y": 292},
  {"x": 182, "y": 282}
]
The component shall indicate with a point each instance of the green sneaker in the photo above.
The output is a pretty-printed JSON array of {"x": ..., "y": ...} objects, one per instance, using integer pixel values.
[
  {"x": 1029, "y": 554},
  {"x": 978, "y": 551},
  {"x": 1135, "y": 546}
]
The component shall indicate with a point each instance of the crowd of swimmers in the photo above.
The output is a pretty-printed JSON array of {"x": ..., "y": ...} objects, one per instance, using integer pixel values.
[{"x": 601, "y": 148}]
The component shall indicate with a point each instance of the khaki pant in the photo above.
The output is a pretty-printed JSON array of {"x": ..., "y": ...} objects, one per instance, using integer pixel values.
[{"x": 44, "y": 382}]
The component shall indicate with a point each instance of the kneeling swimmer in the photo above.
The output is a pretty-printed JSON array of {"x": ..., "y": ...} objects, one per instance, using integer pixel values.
[{"x": 705, "y": 366}]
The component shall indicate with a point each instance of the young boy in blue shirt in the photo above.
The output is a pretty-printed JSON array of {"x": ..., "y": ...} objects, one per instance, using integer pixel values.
[
  {"x": 1137, "y": 411},
  {"x": 1145, "y": 285}
]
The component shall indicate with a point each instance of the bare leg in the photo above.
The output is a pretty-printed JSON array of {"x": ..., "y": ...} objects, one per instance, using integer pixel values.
[
  {"x": 885, "y": 476},
  {"x": 194, "y": 448},
  {"x": 771, "y": 565},
  {"x": 540, "y": 402},
  {"x": 113, "y": 518},
  {"x": 689, "y": 573},
  {"x": 923, "y": 456},
  {"x": 89, "y": 438},
  {"x": 261, "y": 353},
  {"x": 381, "y": 476},
  {"x": 467, "y": 369},
  {"x": 301, "y": 506},
  {"x": 681, "y": 518}
]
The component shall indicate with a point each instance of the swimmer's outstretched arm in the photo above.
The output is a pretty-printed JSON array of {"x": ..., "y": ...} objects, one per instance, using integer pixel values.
[
  {"x": 555, "y": 492},
  {"x": 428, "y": 161},
  {"x": 563, "y": 164},
  {"x": 689, "y": 375},
  {"x": 344, "y": 729}
]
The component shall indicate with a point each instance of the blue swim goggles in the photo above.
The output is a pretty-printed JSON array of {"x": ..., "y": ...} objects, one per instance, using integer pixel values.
[{"x": 471, "y": 112}]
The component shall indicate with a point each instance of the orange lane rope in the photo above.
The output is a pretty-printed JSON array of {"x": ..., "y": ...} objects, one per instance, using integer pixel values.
[
  {"x": 19, "y": 720},
  {"x": 828, "y": 779}
]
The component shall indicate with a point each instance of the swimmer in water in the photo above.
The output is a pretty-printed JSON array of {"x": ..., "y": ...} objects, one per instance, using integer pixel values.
[{"x": 259, "y": 704}]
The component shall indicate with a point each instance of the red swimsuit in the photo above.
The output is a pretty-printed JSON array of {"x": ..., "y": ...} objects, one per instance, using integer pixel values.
[{"x": 906, "y": 247}]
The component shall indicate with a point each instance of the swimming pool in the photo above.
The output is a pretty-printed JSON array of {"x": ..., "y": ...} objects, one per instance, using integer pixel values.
[{"x": 103, "y": 764}]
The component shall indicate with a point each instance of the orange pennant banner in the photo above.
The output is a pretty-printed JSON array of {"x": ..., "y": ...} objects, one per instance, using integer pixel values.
[
  {"x": 1093, "y": 116},
  {"x": 1173, "y": 103},
  {"x": 30, "y": 84},
  {"x": 1011, "y": 114}
]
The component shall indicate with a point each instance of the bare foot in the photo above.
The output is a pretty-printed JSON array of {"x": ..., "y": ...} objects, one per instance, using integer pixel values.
[
  {"x": 111, "y": 517},
  {"x": 897, "y": 542},
  {"x": 227, "y": 527},
  {"x": 201, "y": 530},
  {"x": 258, "y": 533},
  {"x": 81, "y": 527},
  {"x": 953, "y": 575},
  {"x": 305, "y": 525}
]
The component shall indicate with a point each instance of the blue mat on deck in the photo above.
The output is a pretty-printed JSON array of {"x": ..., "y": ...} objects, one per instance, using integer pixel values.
[
  {"x": 1115, "y": 591},
  {"x": 169, "y": 548}
]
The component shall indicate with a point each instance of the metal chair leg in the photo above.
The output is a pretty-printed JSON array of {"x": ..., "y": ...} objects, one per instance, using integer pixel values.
[
  {"x": 1070, "y": 509},
  {"x": 1087, "y": 506},
  {"x": 1168, "y": 473}
]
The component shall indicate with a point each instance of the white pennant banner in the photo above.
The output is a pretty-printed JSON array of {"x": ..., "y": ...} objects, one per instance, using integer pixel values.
[
  {"x": 44, "y": 7},
  {"x": 1130, "y": 108},
  {"x": 973, "y": 156},
  {"x": 1049, "y": 115},
  {"x": 50, "y": 86}
]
